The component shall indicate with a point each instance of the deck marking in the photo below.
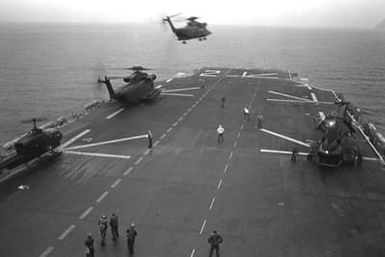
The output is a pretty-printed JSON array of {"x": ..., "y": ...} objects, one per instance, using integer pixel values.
[
  {"x": 162, "y": 136},
  {"x": 169, "y": 130},
  {"x": 139, "y": 160},
  {"x": 296, "y": 101},
  {"x": 180, "y": 119},
  {"x": 102, "y": 197},
  {"x": 169, "y": 80},
  {"x": 175, "y": 124},
  {"x": 128, "y": 171},
  {"x": 48, "y": 251},
  {"x": 225, "y": 170},
  {"x": 285, "y": 137},
  {"x": 231, "y": 155},
  {"x": 244, "y": 74},
  {"x": 98, "y": 154},
  {"x": 314, "y": 97},
  {"x": 192, "y": 253},
  {"x": 181, "y": 89},
  {"x": 175, "y": 94},
  {"x": 189, "y": 109},
  {"x": 212, "y": 203},
  {"x": 156, "y": 143},
  {"x": 203, "y": 226},
  {"x": 281, "y": 152},
  {"x": 114, "y": 114},
  {"x": 116, "y": 183},
  {"x": 289, "y": 96},
  {"x": 74, "y": 139},
  {"x": 242, "y": 127},
  {"x": 107, "y": 142},
  {"x": 239, "y": 134},
  {"x": 147, "y": 152},
  {"x": 66, "y": 232},
  {"x": 235, "y": 144},
  {"x": 86, "y": 212},
  {"x": 219, "y": 184}
]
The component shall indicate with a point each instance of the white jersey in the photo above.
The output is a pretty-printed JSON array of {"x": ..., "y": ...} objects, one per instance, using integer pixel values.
[{"x": 220, "y": 130}]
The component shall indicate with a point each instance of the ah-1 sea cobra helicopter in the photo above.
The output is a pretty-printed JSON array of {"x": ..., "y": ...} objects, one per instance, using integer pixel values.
[{"x": 193, "y": 29}]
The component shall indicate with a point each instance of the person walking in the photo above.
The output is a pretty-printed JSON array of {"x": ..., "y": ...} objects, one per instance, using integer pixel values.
[
  {"x": 114, "y": 226},
  {"x": 89, "y": 243},
  {"x": 294, "y": 154},
  {"x": 223, "y": 100},
  {"x": 131, "y": 234},
  {"x": 103, "y": 224},
  {"x": 220, "y": 131},
  {"x": 214, "y": 240},
  {"x": 246, "y": 114},
  {"x": 260, "y": 119},
  {"x": 149, "y": 137}
]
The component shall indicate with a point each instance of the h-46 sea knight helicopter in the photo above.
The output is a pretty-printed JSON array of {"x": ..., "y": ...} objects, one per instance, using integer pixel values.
[
  {"x": 30, "y": 146},
  {"x": 137, "y": 87},
  {"x": 193, "y": 29}
]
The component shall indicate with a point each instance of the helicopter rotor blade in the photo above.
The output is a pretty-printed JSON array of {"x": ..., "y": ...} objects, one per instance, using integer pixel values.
[{"x": 30, "y": 120}]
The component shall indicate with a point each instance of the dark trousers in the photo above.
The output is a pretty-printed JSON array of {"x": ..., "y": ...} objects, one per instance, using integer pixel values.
[
  {"x": 220, "y": 137},
  {"x": 103, "y": 236},
  {"x": 91, "y": 252},
  {"x": 216, "y": 250},
  {"x": 114, "y": 232},
  {"x": 130, "y": 244}
]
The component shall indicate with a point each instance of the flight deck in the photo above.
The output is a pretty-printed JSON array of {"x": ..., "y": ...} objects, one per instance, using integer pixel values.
[{"x": 189, "y": 184}]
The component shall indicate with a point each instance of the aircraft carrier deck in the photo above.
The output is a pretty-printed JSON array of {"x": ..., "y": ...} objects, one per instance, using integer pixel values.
[{"x": 188, "y": 185}]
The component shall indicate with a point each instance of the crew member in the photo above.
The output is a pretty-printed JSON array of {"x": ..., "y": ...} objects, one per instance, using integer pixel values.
[
  {"x": 149, "y": 136},
  {"x": 214, "y": 240},
  {"x": 223, "y": 100},
  {"x": 220, "y": 131},
  {"x": 260, "y": 119},
  {"x": 103, "y": 224},
  {"x": 131, "y": 234},
  {"x": 89, "y": 243},
  {"x": 246, "y": 114},
  {"x": 294, "y": 154},
  {"x": 114, "y": 226}
]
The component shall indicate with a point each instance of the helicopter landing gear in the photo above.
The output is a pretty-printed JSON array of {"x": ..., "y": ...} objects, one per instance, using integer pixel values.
[
  {"x": 204, "y": 38},
  {"x": 183, "y": 42},
  {"x": 200, "y": 39}
]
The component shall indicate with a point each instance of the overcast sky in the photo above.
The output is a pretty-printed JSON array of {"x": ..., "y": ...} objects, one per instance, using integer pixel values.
[{"x": 309, "y": 13}]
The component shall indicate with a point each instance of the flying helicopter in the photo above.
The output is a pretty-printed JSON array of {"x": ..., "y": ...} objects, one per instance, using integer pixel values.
[
  {"x": 31, "y": 145},
  {"x": 193, "y": 29},
  {"x": 137, "y": 87}
]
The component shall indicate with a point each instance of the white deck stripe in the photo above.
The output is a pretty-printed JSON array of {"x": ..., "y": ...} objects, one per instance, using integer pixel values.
[
  {"x": 225, "y": 170},
  {"x": 169, "y": 130},
  {"x": 169, "y": 80},
  {"x": 212, "y": 203},
  {"x": 235, "y": 144},
  {"x": 67, "y": 232},
  {"x": 116, "y": 183},
  {"x": 128, "y": 171},
  {"x": 281, "y": 152},
  {"x": 147, "y": 152},
  {"x": 102, "y": 197},
  {"x": 203, "y": 226},
  {"x": 175, "y": 94},
  {"x": 86, "y": 212},
  {"x": 107, "y": 142},
  {"x": 290, "y": 96},
  {"x": 156, "y": 143},
  {"x": 114, "y": 114},
  {"x": 74, "y": 139},
  {"x": 98, "y": 154},
  {"x": 285, "y": 137},
  {"x": 139, "y": 160},
  {"x": 181, "y": 89},
  {"x": 192, "y": 253},
  {"x": 296, "y": 101},
  {"x": 219, "y": 184},
  {"x": 175, "y": 124},
  {"x": 47, "y": 251},
  {"x": 231, "y": 155},
  {"x": 314, "y": 97}
]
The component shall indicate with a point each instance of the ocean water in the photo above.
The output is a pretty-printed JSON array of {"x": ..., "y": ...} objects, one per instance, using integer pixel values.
[{"x": 48, "y": 70}]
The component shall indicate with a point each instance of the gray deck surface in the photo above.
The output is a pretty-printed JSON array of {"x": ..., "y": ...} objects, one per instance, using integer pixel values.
[{"x": 188, "y": 185}]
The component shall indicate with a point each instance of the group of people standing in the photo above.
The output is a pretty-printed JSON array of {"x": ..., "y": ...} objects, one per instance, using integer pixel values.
[{"x": 114, "y": 225}]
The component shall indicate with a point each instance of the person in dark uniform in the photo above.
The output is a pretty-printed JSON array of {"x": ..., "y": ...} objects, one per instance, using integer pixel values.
[
  {"x": 114, "y": 226},
  {"x": 103, "y": 225},
  {"x": 260, "y": 119},
  {"x": 131, "y": 234},
  {"x": 214, "y": 240},
  {"x": 223, "y": 100},
  {"x": 149, "y": 136},
  {"x": 89, "y": 243},
  {"x": 294, "y": 154}
]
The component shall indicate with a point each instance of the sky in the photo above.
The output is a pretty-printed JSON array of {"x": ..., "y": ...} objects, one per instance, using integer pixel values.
[{"x": 306, "y": 13}]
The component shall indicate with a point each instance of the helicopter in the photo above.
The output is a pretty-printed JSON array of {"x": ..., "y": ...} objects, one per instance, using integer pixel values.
[
  {"x": 138, "y": 87},
  {"x": 193, "y": 29},
  {"x": 30, "y": 146}
]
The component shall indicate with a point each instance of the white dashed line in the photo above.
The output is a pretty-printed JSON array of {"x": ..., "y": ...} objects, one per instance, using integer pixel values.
[
  {"x": 139, "y": 160},
  {"x": 162, "y": 136},
  {"x": 102, "y": 197},
  {"x": 48, "y": 251},
  {"x": 175, "y": 124},
  {"x": 147, "y": 152},
  {"x": 156, "y": 143},
  {"x": 114, "y": 114},
  {"x": 231, "y": 155},
  {"x": 86, "y": 212},
  {"x": 242, "y": 127},
  {"x": 225, "y": 170},
  {"x": 128, "y": 171},
  {"x": 219, "y": 184},
  {"x": 212, "y": 203},
  {"x": 169, "y": 80},
  {"x": 169, "y": 130},
  {"x": 239, "y": 134},
  {"x": 67, "y": 232},
  {"x": 192, "y": 253},
  {"x": 180, "y": 119},
  {"x": 203, "y": 226},
  {"x": 74, "y": 139},
  {"x": 235, "y": 144},
  {"x": 116, "y": 183}
]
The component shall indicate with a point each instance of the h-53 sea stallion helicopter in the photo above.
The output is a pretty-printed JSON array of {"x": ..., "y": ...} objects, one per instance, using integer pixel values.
[
  {"x": 137, "y": 87},
  {"x": 193, "y": 29},
  {"x": 30, "y": 146}
]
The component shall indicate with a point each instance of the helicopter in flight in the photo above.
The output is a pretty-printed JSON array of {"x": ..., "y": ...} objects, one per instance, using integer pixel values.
[
  {"x": 137, "y": 87},
  {"x": 30, "y": 146},
  {"x": 192, "y": 30}
]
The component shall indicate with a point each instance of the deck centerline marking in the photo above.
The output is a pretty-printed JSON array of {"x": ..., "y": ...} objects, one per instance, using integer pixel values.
[
  {"x": 162, "y": 136},
  {"x": 231, "y": 155},
  {"x": 98, "y": 154},
  {"x": 235, "y": 144},
  {"x": 74, "y": 138},
  {"x": 192, "y": 253},
  {"x": 107, "y": 142},
  {"x": 47, "y": 251},
  {"x": 86, "y": 212},
  {"x": 212, "y": 203},
  {"x": 203, "y": 226},
  {"x": 225, "y": 170},
  {"x": 66, "y": 232},
  {"x": 219, "y": 184},
  {"x": 239, "y": 134},
  {"x": 147, "y": 152},
  {"x": 102, "y": 197},
  {"x": 128, "y": 171},
  {"x": 284, "y": 137},
  {"x": 175, "y": 124},
  {"x": 156, "y": 143},
  {"x": 139, "y": 160},
  {"x": 168, "y": 130},
  {"x": 180, "y": 119},
  {"x": 116, "y": 183},
  {"x": 114, "y": 114}
]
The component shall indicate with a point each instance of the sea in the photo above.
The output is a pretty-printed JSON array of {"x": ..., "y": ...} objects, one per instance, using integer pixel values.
[{"x": 49, "y": 70}]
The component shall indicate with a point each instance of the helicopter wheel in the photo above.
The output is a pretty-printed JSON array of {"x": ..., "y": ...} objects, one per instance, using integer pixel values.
[
  {"x": 183, "y": 42},
  {"x": 200, "y": 39},
  {"x": 204, "y": 38}
]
